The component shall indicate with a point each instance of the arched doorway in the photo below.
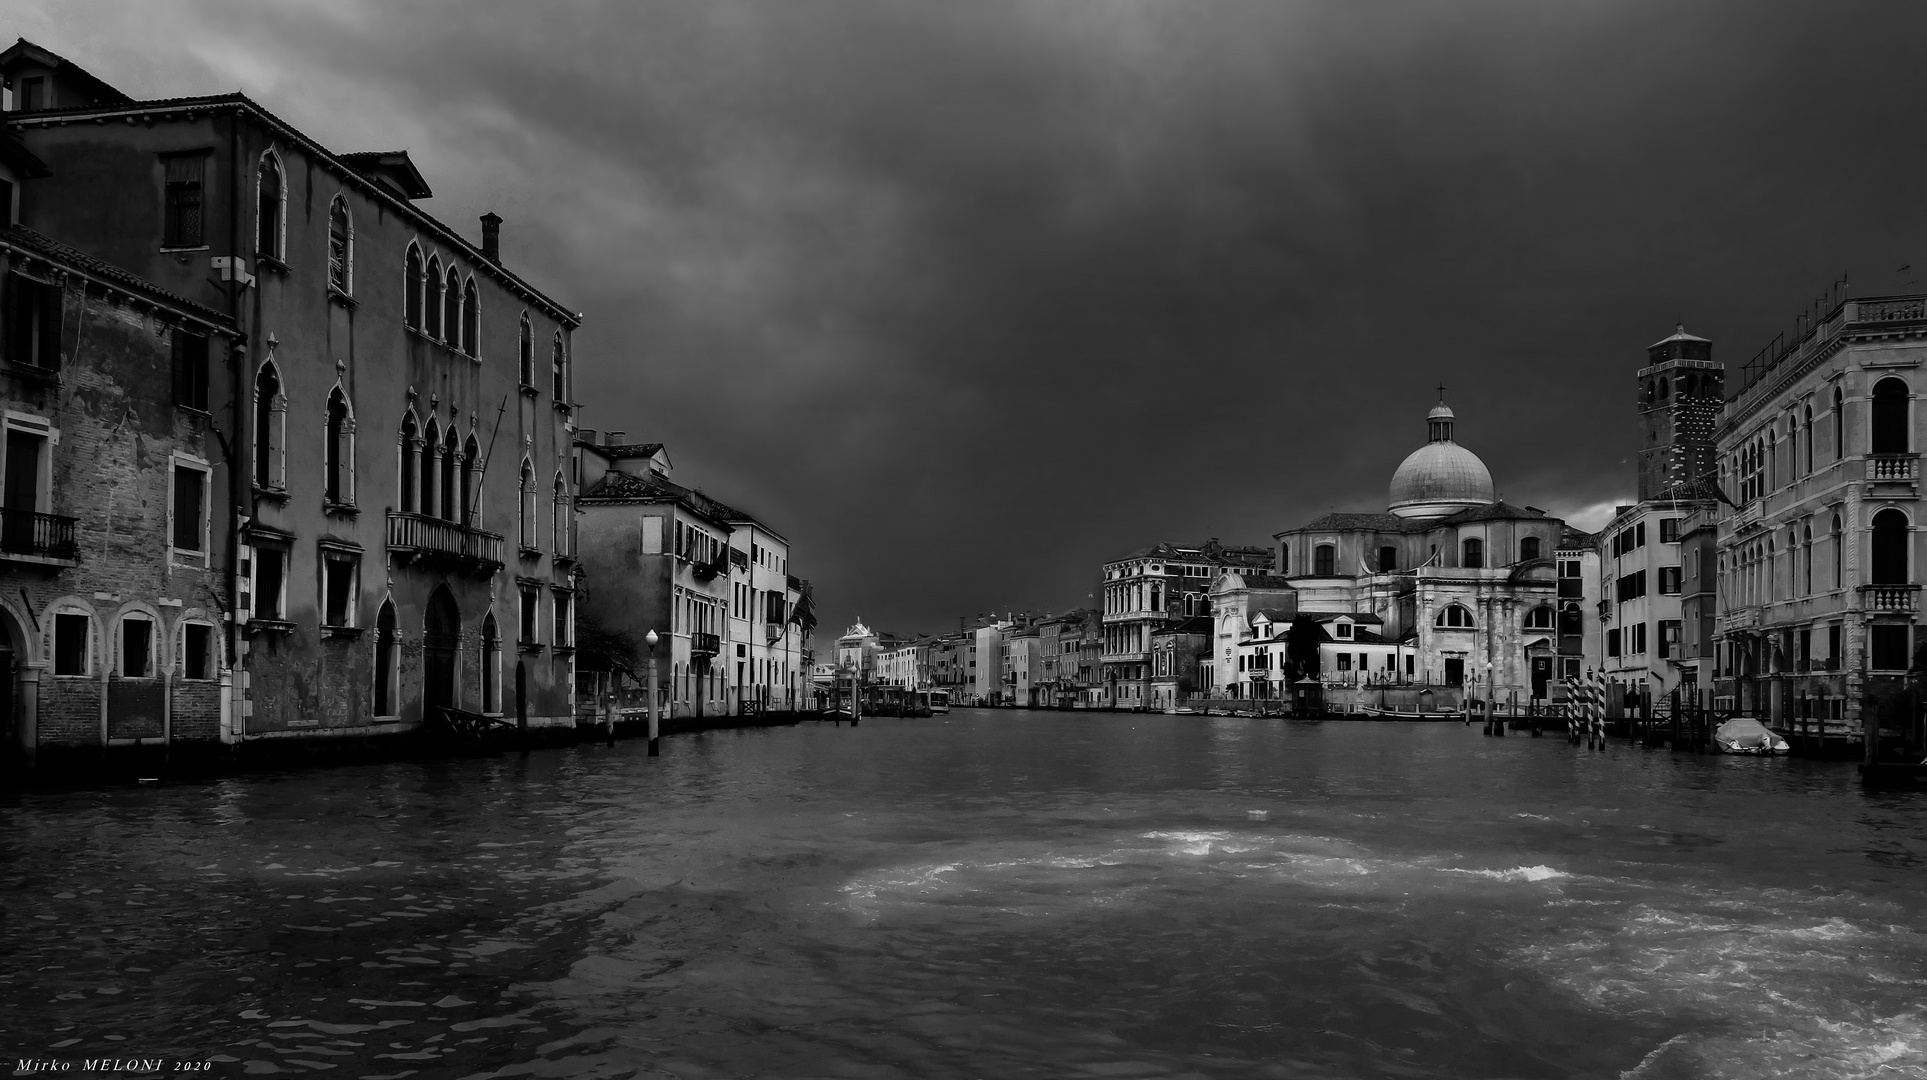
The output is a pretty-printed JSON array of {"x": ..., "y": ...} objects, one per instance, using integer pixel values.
[
  {"x": 1890, "y": 538},
  {"x": 1889, "y": 419},
  {"x": 441, "y": 641}
]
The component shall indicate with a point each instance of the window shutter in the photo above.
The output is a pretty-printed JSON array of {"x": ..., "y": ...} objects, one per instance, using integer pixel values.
[{"x": 16, "y": 309}]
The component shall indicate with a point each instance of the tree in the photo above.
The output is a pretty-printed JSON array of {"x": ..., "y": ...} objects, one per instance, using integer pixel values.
[
  {"x": 1301, "y": 649},
  {"x": 600, "y": 647}
]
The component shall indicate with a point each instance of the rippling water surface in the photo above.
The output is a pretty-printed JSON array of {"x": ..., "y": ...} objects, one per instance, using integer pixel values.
[{"x": 988, "y": 894}]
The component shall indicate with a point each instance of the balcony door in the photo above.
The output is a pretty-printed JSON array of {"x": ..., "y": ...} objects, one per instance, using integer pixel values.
[
  {"x": 441, "y": 641},
  {"x": 22, "y": 495}
]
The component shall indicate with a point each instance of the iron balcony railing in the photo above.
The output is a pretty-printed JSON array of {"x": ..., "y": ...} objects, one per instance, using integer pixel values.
[
  {"x": 701, "y": 644},
  {"x": 433, "y": 536},
  {"x": 37, "y": 535}
]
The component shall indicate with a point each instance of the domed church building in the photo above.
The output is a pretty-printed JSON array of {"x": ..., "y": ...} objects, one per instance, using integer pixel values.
[{"x": 1467, "y": 583}]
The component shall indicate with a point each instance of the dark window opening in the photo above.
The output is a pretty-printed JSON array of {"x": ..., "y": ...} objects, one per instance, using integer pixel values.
[
  {"x": 70, "y": 644},
  {"x": 190, "y": 370},
  {"x": 136, "y": 648},
  {"x": 270, "y": 567},
  {"x": 341, "y": 569},
  {"x": 1890, "y": 540},
  {"x": 1325, "y": 561},
  {"x": 33, "y": 314},
  {"x": 1474, "y": 557},
  {"x": 267, "y": 239},
  {"x": 190, "y": 499},
  {"x": 1889, "y": 419},
  {"x": 1887, "y": 645},
  {"x": 196, "y": 651}
]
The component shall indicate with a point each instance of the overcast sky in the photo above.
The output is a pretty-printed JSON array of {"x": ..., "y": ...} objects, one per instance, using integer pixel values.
[{"x": 966, "y": 298}]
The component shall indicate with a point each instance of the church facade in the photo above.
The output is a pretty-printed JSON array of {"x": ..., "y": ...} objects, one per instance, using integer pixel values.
[{"x": 1463, "y": 584}]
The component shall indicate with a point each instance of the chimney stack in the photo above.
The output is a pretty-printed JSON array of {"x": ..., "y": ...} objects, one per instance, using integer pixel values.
[
  {"x": 614, "y": 438},
  {"x": 587, "y": 435},
  {"x": 492, "y": 237}
]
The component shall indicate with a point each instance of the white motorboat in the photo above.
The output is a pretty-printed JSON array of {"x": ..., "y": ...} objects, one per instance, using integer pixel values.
[{"x": 1745, "y": 735}]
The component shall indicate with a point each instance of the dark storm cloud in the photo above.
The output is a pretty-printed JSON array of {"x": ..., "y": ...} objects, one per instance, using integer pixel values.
[{"x": 966, "y": 298}]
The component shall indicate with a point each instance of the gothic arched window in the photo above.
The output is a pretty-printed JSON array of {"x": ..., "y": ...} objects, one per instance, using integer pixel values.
[{"x": 341, "y": 247}]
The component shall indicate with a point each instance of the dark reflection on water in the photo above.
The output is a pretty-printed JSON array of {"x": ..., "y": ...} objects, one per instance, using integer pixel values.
[{"x": 988, "y": 894}]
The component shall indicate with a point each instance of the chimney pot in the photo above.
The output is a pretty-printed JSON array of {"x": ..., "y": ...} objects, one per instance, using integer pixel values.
[{"x": 492, "y": 236}]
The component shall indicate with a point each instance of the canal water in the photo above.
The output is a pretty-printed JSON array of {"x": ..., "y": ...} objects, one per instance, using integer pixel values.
[{"x": 987, "y": 894}]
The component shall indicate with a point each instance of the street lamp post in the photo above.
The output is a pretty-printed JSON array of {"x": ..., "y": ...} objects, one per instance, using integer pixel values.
[
  {"x": 655, "y": 743},
  {"x": 1491, "y": 688}
]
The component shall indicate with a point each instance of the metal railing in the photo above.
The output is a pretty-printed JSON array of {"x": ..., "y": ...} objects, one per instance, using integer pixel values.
[
  {"x": 701, "y": 644},
  {"x": 29, "y": 532},
  {"x": 414, "y": 532}
]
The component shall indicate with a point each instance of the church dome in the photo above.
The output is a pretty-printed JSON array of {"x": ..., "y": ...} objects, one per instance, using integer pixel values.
[{"x": 1440, "y": 477}]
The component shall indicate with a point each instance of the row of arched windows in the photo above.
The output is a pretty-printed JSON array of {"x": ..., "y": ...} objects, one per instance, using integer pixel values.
[
  {"x": 271, "y": 438},
  {"x": 1789, "y": 565},
  {"x": 1785, "y": 449},
  {"x": 440, "y": 302}
]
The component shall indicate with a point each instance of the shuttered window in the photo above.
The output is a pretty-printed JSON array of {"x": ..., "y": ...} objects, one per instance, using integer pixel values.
[
  {"x": 33, "y": 322},
  {"x": 181, "y": 224}
]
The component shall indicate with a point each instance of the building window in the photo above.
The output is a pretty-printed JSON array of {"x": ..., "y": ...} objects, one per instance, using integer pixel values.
[
  {"x": 1890, "y": 541},
  {"x": 471, "y": 319},
  {"x": 1806, "y": 564},
  {"x": 449, "y": 486},
  {"x": 491, "y": 665},
  {"x": 412, "y": 285},
  {"x": 136, "y": 647},
  {"x": 71, "y": 631},
  {"x": 431, "y": 447},
  {"x": 1612, "y": 642},
  {"x": 190, "y": 370},
  {"x": 339, "y": 451},
  {"x": 432, "y": 299},
  {"x": 1539, "y": 618},
  {"x": 340, "y": 585},
  {"x": 1888, "y": 425},
  {"x": 1669, "y": 580},
  {"x": 188, "y": 529},
  {"x": 1454, "y": 616},
  {"x": 452, "y": 308},
  {"x": 530, "y": 613},
  {"x": 472, "y": 483},
  {"x": 410, "y": 449},
  {"x": 33, "y": 318},
  {"x": 564, "y": 624},
  {"x": 269, "y": 592},
  {"x": 1839, "y": 424},
  {"x": 1810, "y": 434},
  {"x": 1387, "y": 559},
  {"x": 1669, "y": 639},
  {"x": 197, "y": 651},
  {"x": 1887, "y": 646},
  {"x": 1342, "y": 630},
  {"x": 387, "y": 659},
  {"x": 526, "y": 352},
  {"x": 267, "y": 214},
  {"x": 341, "y": 247},
  {"x": 1839, "y": 556},
  {"x": 31, "y": 95},
  {"x": 270, "y": 428},
  {"x": 1474, "y": 554},
  {"x": 1325, "y": 561},
  {"x": 181, "y": 221},
  {"x": 527, "y": 501},
  {"x": 1528, "y": 549},
  {"x": 556, "y": 372},
  {"x": 1568, "y": 568},
  {"x": 559, "y": 525},
  {"x": 1669, "y": 530}
]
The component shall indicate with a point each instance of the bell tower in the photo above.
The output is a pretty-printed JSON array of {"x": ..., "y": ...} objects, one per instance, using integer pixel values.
[{"x": 1680, "y": 392}]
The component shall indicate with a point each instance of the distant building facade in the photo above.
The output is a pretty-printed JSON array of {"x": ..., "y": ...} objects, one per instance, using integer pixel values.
[
  {"x": 1819, "y": 565},
  {"x": 1467, "y": 585},
  {"x": 1150, "y": 589}
]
